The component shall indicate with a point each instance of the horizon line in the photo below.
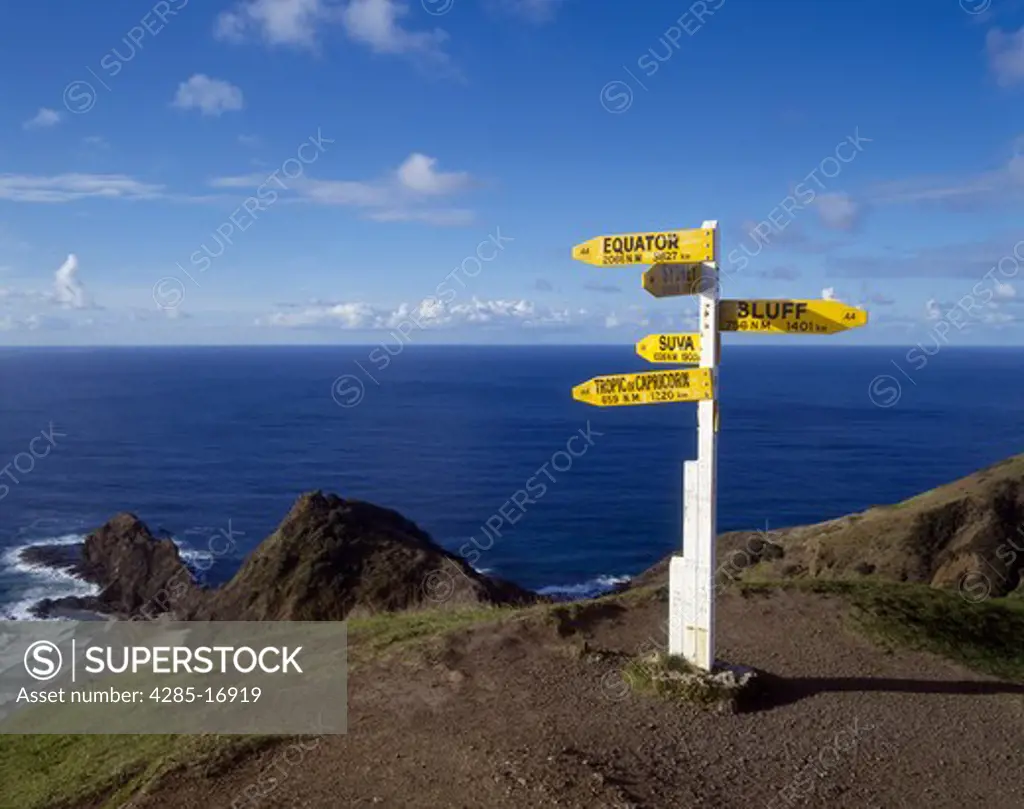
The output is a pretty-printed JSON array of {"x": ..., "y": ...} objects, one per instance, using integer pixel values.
[{"x": 753, "y": 345}]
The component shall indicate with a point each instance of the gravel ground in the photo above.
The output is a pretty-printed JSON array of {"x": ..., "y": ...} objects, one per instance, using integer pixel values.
[{"x": 507, "y": 716}]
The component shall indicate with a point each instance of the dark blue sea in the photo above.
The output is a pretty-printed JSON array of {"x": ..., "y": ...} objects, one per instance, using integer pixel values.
[{"x": 201, "y": 441}]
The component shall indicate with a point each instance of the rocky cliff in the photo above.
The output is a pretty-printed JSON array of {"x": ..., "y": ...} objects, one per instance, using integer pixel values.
[
  {"x": 333, "y": 558},
  {"x": 328, "y": 560},
  {"x": 969, "y": 533},
  {"x": 137, "y": 574}
]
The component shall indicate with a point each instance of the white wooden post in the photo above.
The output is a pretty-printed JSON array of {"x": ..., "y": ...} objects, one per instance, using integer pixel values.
[
  {"x": 682, "y": 574},
  {"x": 691, "y": 576}
]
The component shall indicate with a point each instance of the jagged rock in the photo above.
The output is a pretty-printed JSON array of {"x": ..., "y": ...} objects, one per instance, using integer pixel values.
[
  {"x": 140, "y": 575},
  {"x": 333, "y": 558},
  {"x": 328, "y": 560}
]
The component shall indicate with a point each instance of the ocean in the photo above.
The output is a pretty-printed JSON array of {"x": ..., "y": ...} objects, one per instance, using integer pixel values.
[{"x": 206, "y": 444}]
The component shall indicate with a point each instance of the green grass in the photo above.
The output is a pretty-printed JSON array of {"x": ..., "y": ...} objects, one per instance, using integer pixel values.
[
  {"x": 389, "y": 630},
  {"x": 675, "y": 679},
  {"x": 986, "y": 637},
  {"x": 49, "y": 771}
]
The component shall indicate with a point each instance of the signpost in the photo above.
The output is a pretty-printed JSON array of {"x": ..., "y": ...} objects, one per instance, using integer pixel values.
[
  {"x": 647, "y": 248},
  {"x": 681, "y": 349},
  {"x": 670, "y": 280},
  {"x": 653, "y": 387},
  {"x": 686, "y": 262}
]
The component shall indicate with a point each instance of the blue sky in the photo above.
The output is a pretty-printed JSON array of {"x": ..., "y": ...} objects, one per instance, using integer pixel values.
[{"x": 433, "y": 163}]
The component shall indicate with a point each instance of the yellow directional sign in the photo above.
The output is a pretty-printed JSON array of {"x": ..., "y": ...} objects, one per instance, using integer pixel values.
[
  {"x": 648, "y": 248},
  {"x": 679, "y": 348},
  {"x": 789, "y": 317},
  {"x": 669, "y": 280},
  {"x": 653, "y": 387}
]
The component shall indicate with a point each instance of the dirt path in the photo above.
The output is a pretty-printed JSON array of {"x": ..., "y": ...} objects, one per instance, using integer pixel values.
[{"x": 507, "y": 716}]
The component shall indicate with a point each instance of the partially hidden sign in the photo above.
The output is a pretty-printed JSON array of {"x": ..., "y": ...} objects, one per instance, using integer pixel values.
[
  {"x": 655, "y": 247},
  {"x": 653, "y": 387},
  {"x": 683, "y": 349},
  {"x": 669, "y": 280},
  {"x": 789, "y": 316}
]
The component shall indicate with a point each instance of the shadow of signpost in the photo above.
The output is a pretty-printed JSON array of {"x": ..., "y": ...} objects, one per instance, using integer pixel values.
[{"x": 775, "y": 692}]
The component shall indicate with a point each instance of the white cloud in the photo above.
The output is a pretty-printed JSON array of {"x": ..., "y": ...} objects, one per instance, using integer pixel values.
[
  {"x": 829, "y": 294},
  {"x": 152, "y": 314},
  {"x": 1015, "y": 168},
  {"x": 9, "y": 295},
  {"x": 446, "y": 217},
  {"x": 938, "y": 189},
  {"x": 343, "y": 315},
  {"x": 417, "y": 174},
  {"x": 997, "y": 318},
  {"x": 429, "y": 313},
  {"x": 70, "y": 187},
  {"x": 615, "y": 319},
  {"x": 1004, "y": 291},
  {"x": 537, "y": 11},
  {"x": 278, "y": 22},
  {"x": 407, "y": 194},
  {"x": 251, "y": 141},
  {"x": 932, "y": 310},
  {"x": 433, "y": 314},
  {"x": 298, "y": 23},
  {"x": 44, "y": 118},
  {"x": 376, "y": 23},
  {"x": 68, "y": 292},
  {"x": 1006, "y": 56},
  {"x": 33, "y": 322},
  {"x": 838, "y": 211},
  {"x": 965, "y": 192},
  {"x": 209, "y": 96},
  {"x": 345, "y": 192},
  {"x": 62, "y": 188},
  {"x": 636, "y": 317},
  {"x": 411, "y": 193},
  {"x": 989, "y": 186}
]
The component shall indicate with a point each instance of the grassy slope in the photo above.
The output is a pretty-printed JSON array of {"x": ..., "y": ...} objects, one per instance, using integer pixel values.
[
  {"x": 932, "y": 537},
  {"x": 41, "y": 772},
  {"x": 987, "y": 637},
  {"x": 52, "y": 771}
]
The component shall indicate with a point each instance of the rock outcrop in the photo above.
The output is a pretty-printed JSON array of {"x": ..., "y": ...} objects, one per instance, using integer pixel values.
[
  {"x": 328, "y": 560},
  {"x": 139, "y": 574},
  {"x": 333, "y": 558},
  {"x": 966, "y": 534}
]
